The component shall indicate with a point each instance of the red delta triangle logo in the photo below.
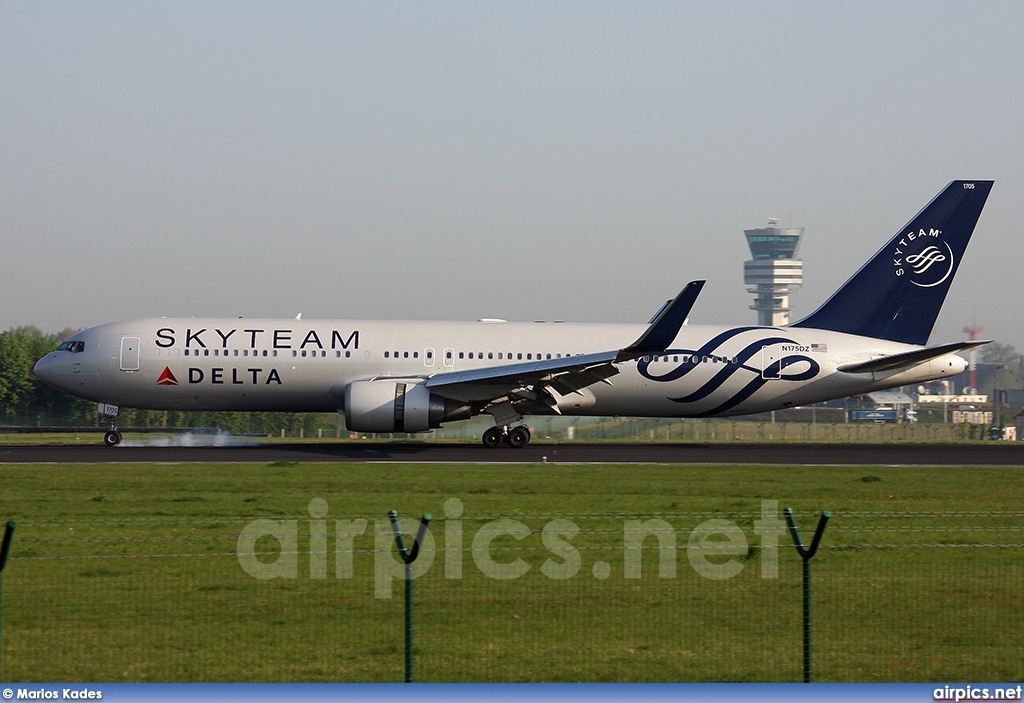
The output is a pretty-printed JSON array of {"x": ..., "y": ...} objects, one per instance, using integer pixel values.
[{"x": 167, "y": 378}]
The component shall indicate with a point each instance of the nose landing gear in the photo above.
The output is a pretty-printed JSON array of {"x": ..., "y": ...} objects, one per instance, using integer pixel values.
[
  {"x": 112, "y": 437},
  {"x": 516, "y": 437}
]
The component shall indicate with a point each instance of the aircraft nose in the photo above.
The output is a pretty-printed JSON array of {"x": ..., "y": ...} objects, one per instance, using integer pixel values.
[{"x": 43, "y": 369}]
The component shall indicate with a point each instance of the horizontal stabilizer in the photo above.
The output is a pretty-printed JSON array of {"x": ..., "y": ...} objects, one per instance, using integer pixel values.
[{"x": 907, "y": 359}]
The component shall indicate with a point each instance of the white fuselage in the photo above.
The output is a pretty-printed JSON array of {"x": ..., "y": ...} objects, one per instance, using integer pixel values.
[{"x": 299, "y": 365}]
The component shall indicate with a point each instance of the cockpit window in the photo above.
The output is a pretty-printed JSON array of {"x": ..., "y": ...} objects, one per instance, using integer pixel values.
[{"x": 72, "y": 346}]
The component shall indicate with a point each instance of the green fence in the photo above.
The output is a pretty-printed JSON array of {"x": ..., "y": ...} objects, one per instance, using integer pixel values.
[{"x": 525, "y": 597}]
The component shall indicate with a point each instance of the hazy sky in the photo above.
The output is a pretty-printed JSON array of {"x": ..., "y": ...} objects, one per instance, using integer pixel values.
[{"x": 458, "y": 160}]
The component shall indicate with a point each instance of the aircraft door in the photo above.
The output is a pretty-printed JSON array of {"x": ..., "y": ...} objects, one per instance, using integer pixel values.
[
  {"x": 428, "y": 357},
  {"x": 770, "y": 366},
  {"x": 448, "y": 359},
  {"x": 130, "y": 353}
]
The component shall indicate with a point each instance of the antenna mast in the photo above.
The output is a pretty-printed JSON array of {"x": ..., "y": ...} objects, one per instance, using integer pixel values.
[{"x": 972, "y": 331}]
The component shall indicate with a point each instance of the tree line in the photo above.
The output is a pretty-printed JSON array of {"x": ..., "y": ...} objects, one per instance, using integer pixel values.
[{"x": 27, "y": 401}]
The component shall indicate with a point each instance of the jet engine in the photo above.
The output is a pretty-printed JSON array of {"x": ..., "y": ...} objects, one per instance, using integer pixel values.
[{"x": 398, "y": 406}]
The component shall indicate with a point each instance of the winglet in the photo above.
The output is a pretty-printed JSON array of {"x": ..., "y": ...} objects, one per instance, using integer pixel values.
[{"x": 665, "y": 326}]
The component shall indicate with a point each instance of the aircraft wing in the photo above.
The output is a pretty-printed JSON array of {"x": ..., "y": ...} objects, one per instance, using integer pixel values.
[
  {"x": 907, "y": 359},
  {"x": 572, "y": 373}
]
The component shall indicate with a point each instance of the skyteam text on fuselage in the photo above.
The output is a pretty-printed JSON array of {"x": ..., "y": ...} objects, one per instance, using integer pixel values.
[{"x": 413, "y": 376}]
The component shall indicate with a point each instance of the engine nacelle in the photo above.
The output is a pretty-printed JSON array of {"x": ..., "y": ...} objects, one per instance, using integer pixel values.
[{"x": 397, "y": 406}]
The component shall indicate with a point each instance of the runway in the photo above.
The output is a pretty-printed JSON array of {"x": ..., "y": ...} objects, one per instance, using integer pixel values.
[{"x": 994, "y": 454}]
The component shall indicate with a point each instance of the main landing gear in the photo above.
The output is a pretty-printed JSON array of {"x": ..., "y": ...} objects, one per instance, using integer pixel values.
[{"x": 515, "y": 437}]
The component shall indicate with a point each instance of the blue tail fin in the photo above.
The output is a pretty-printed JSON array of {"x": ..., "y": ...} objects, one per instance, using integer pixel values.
[{"x": 898, "y": 293}]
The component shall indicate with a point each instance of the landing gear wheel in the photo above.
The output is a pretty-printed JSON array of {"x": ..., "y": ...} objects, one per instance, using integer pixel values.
[
  {"x": 492, "y": 438},
  {"x": 518, "y": 437},
  {"x": 112, "y": 438}
]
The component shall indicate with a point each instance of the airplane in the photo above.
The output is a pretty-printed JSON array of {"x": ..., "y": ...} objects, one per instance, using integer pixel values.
[{"x": 412, "y": 376}]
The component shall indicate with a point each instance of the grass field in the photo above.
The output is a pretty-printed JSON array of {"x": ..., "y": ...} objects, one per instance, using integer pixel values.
[{"x": 131, "y": 573}]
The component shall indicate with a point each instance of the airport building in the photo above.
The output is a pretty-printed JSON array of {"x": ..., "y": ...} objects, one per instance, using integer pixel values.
[{"x": 774, "y": 271}]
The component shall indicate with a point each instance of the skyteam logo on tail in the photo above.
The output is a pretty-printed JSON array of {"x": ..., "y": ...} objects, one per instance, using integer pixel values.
[{"x": 924, "y": 257}]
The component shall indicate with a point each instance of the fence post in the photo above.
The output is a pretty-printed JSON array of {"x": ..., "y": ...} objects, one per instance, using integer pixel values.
[
  {"x": 5, "y": 550},
  {"x": 807, "y": 554},
  {"x": 408, "y": 556}
]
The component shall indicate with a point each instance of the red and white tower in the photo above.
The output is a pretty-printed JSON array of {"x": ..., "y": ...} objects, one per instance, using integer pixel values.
[{"x": 972, "y": 331}]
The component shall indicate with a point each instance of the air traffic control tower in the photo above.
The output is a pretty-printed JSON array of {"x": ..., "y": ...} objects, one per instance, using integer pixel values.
[{"x": 774, "y": 272}]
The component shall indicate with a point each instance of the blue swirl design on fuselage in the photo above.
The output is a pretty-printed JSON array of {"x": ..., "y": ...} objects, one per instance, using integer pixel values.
[{"x": 773, "y": 372}]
